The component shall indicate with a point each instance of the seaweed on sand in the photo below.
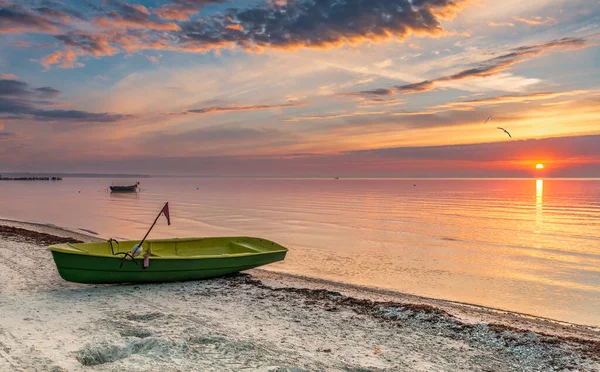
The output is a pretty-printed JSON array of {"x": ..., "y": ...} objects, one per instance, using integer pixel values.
[
  {"x": 526, "y": 348},
  {"x": 17, "y": 234}
]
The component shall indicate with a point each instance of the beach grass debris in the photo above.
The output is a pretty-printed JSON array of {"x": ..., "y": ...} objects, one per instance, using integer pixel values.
[
  {"x": 143, "y": 317},
  {"x": 206, "y": 340},
  {"x": 93, "y": 355},
  {"x": 357, "y": 369},
  {"x": 135, "y": 332}
]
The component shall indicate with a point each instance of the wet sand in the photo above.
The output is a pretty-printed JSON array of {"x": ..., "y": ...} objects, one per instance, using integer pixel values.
[{"x": 256, "y": 321}]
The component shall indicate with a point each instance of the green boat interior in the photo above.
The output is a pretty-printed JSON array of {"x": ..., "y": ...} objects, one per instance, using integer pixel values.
[{"x": 178, "y": 248}]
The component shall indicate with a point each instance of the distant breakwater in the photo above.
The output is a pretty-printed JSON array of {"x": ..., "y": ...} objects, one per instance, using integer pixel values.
[{"x": 30, "y": 178}]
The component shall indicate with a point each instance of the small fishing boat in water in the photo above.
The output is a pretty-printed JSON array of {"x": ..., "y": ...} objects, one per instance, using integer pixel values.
[
  {"x": 166, "y": 259},
  {"x": 132, "y": 188}
]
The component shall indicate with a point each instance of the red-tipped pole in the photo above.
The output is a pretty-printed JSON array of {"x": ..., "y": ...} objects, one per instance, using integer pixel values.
[{"x": 164, "y": 210}]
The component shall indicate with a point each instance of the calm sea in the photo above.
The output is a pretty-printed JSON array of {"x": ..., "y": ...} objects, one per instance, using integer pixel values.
[{"x": 531, "y": 246}]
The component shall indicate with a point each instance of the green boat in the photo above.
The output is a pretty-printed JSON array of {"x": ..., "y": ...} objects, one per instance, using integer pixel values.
[
  {"x": 132, "y": 188},
  {"x": 167, "y": 260}
]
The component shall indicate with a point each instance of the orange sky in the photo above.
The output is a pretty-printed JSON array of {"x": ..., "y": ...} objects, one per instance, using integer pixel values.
[{"x": 185, "y": 89}]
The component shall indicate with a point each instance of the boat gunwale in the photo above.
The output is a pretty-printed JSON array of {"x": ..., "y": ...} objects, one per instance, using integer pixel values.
[{"x": 61, "y": 248}]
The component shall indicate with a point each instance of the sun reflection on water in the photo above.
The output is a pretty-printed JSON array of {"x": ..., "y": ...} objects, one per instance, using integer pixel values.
[{"x": 539, "y": 203}]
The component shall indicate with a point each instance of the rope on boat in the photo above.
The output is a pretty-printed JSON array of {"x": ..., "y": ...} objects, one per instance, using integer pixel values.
[
  {"x": 146, "y": 262},
  {"x": 125, "y": 254}
]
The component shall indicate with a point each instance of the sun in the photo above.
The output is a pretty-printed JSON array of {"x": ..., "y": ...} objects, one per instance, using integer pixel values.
[{"x": 539, "y": 166}]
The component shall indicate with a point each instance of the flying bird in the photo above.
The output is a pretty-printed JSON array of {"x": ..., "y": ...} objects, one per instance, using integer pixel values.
[
  {"x": 505, "y": 131},
  {"x": 488, "y": 119}
]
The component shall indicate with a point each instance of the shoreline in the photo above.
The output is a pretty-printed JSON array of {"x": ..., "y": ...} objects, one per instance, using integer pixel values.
[
  {"x": 303, "y": 280},
  {"x": 380, "y": 293},
  {"x": 365, "y": 328}
]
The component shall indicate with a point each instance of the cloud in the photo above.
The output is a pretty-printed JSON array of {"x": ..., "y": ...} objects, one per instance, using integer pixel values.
[
  {"x": 378, "y": 102},
  {"x": 21, "y": 43},
  {"x": 215, "y": 135},
  {"x": 57, "y": 10},
  {"x": 235, "y": 26},
  {"x": 523, "y": 98},
  {"x": 64, "y": 58},
  {"x": 415, "y": 88},
  {"x": 9, "y": 87},
  {"x": 16, "y": 19},
  {"x": 322, "y": 24},
  {"x": 26, "y": 44},
  {"x": 372, "y": 92},
  {"x": 153, "y": 59},
  {"x": 217, "y": 110},
  {"x": 557, "y": 147},
  {"x": 335, "y": 116},
  {"x": 174, "y": 13},
  {"x": 500, "y": 24},
  {"x": 415, "y": 113},
  {"x": 384, "y": 64},
  {"x": 275, "y": 25},
  {"x": 48, "y": 92},
  {"x": 487, "y": 68},
  {"x": 76, "y": 115},
  {"x": 132, "y": 16},
  {"x": 517, "y": 55},
  {"x": 182, "y": 10},
  {"x": 21, "y": 102},
  {"x": 8, "y": 76},
  {"x": 54, "y": 14},
  {"x": 534, "y": 21}
]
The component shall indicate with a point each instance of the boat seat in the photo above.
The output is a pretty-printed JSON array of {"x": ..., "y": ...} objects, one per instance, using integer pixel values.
[
  {"x": 242, "y": 247},
  {"x": 185, "y": 249}
]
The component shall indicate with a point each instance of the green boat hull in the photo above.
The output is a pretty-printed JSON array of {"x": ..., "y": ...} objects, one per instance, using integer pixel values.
[
  {"x": 132, "y": 188},
  {"x": 170, "y": 260}
]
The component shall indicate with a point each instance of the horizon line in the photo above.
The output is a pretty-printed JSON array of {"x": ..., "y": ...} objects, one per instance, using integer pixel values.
[{"x": 131, "y": 175}]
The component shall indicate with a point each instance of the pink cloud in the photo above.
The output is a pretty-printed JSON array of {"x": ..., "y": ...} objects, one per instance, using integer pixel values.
[
  {"x": 217, "y": 110},
  {"x": 534, "y": 21},
  {"x": 235, "y": 26},
  {"x": 174, "y": 13},
  {"x": 64, "y": 58},
  {"x": 153, "y": 59},
  {"x": 500, "y": 24},
  {"x": 336, "y": 116}
]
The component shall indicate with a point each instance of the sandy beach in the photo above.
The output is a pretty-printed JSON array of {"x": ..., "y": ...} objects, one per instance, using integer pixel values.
[{"x": 256, "y": 321}]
